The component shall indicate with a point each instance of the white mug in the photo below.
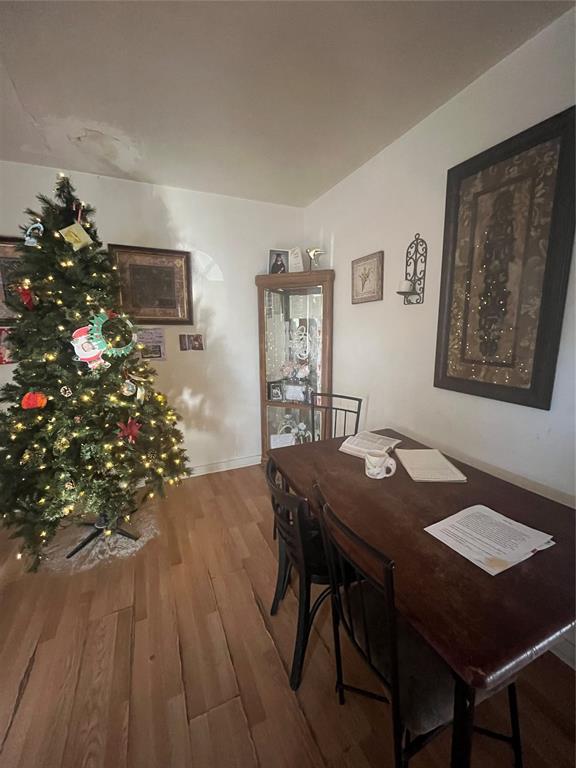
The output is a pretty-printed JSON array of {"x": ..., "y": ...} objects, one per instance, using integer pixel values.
[{"x": 379, "y": 464}]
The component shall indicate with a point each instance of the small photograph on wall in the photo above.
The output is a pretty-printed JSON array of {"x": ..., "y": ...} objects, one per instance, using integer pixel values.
[
  {"x": 5, "y": 351},
  {"x": 195, "y": 342},
  {"x": 155, "y": 284},
  {"x": 191, "y": 342},
  {"x": 508, "y": 237},
  {"x": 8, "y": 260},
  {"x": 368, "y": 278},
  {"x": 278, "y": 262},
  {"x": 154, "y": 343}
]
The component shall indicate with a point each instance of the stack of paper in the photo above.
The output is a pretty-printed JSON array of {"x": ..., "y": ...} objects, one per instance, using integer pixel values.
[
  {"x": 367, "y": 442},
  {"x": 488, "y": 539},
  {"x": 429, "y": 465}
]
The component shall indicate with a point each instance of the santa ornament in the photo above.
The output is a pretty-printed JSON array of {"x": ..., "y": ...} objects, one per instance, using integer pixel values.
[{"x": 87, "y": 350}]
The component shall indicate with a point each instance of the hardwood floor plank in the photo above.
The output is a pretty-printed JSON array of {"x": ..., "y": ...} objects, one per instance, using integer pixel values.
[
  {"x": 170, "y": 659},
  {"x": 221, "y": 738}
]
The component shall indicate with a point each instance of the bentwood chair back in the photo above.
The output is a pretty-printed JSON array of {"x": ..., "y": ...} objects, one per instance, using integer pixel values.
[
  {"x": 337, "y": 415},
  {"x": 300, "y": 549}
]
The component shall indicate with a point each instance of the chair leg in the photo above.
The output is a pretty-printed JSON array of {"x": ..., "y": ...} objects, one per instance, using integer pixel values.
[
  {"x": 337, "y": 653},
  {"x": 515, "y": 722},
  {"x": 301, "y": 633},
  {"x": 281, "y": 578}
]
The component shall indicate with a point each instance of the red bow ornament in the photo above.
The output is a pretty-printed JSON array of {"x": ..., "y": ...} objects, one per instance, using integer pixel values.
[
  {"x": 26, "y": 296},
  {"x": 130, "y": 429}
]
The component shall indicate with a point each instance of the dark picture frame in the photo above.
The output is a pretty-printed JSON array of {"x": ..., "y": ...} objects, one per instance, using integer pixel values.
[
  {"x": 8, "y": 254},
  {"x": 367, "y": 278},
  {"x": 155, "y": 284},
  {"x": 506, "y": 264},
  {"x": 278, "y": 262}
]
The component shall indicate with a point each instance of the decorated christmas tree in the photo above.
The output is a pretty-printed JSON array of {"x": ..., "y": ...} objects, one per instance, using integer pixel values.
[{"x": 84, "y": 433}]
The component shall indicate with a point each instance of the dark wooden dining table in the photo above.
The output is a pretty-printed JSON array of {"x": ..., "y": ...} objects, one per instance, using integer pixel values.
[{"x": 486, "y": 628}]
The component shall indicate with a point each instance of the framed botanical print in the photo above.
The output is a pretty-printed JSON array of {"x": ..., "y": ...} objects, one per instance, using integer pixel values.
[
  {"x": 155, "y": 284},
  {"x": 8, "y": 260},
  {"x": 508, "y": 238},
  {"x": 367, "y": 278}
]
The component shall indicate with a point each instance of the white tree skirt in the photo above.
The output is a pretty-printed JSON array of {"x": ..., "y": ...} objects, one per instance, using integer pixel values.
[{"x": 143, "y": 523}]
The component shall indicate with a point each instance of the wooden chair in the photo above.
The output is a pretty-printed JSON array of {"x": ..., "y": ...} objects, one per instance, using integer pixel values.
[
  {"x": 418, "y": 684},
  {"x": 299, "y": 548},
  {"x": 340, "y": 414}
]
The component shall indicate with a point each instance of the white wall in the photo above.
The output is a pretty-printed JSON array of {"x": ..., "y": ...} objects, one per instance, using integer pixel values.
[
  {"x": 215, "y": 391},
  {"x": 384, "y": 351}
]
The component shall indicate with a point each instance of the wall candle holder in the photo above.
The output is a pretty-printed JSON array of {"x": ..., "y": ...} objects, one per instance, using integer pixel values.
[{"x": 415, "y": 270}]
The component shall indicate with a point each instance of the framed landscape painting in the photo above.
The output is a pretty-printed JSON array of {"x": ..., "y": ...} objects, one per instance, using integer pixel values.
[
  {"x": 508, "y": 239},
  {"x": 8, "y": 260},
  {"x": 155, "y": 284}
]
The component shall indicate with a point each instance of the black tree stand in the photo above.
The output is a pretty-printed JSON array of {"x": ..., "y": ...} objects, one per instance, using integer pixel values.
[{"x": 99, "y": 526}]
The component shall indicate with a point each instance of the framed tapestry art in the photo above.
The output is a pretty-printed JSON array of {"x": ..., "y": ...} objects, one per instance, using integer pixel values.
[
  {"x": 8, "y": 260},
  {"x": 508, "y": 238},
  {"x": 155, "y": 284},
  {"x": 367, "y": 278}
]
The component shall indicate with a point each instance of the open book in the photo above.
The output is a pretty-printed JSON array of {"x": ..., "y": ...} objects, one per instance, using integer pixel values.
[{"x": 366, "y": 442}]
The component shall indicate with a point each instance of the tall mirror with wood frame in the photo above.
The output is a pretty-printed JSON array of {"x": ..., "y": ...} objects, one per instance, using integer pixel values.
[{"x": 295, "y": 327}]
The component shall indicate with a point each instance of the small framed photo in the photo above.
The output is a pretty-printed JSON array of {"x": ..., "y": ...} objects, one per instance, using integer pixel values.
[
  {"x": 367, "y": 278},
  {"x": 275, "y": 391},
  {"x": 278, "y": 262},
  {"x": 195, "y": 341},
  {"x": 8, "y": 260},
  {"x": 155, "y": 284},
  {"x": 5, "y": 351},
  {"x": 296, "y": 392}
]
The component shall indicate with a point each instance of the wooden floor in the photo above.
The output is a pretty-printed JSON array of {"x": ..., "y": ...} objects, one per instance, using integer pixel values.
[{"x": 170, "y": 658}]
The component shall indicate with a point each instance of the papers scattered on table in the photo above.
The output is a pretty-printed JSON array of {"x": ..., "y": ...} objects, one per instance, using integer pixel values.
[
  {"x": 429, "y": 465},
  {"x": 366, "y": 442},
  {"x": 488, "y": 539}
]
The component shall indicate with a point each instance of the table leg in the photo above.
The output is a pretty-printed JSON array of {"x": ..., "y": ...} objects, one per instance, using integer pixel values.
[{"x": 463, "y": 725}]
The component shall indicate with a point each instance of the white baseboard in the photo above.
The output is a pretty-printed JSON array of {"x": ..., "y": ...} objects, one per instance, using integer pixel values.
[{"x": 222, "y": 466}]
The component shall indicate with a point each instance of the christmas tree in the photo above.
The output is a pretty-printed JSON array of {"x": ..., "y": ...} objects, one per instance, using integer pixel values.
[{"x": 84, "y": 429}]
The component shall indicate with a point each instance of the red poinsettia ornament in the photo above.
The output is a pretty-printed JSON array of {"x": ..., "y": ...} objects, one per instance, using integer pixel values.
[
  {"x": 34, "y": 400},
  {"x": 130, "y": 429}
]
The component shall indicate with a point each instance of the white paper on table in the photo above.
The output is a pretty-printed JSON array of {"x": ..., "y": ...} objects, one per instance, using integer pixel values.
[
  {"x": 366, "y": 442},
  {"x": 489, "y": 539},
  {"x": 282, "y": 440},
  {"x": 427, "y": 465}
]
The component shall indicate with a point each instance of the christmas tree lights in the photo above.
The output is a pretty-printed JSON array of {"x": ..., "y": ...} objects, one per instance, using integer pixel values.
[{"x": 83, "y": 428}]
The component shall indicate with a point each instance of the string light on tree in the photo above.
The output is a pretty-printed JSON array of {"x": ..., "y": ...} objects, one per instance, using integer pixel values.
[{"x": 71, "y": 459}]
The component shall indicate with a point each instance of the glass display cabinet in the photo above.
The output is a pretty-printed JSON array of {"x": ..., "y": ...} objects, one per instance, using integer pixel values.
[{"x": 295, "y": 326}]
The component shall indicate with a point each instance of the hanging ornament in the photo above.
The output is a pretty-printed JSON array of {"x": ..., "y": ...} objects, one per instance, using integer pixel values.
[
  {"x": 33, "y": 232},
  {"x": 77, "y": 419},
  {"x": 66, "y": 391},
  {"x": 76, "y": 235},
  {"x": 69, "y": 486},
  {"x": 130, "y": 430},
  {"x": 34, "y": 400},
  {"x": 96, "y": 336},
  {"x": 140, "y": 394},
  {"x": 128, "y": 388},
  {"x": 26, "y": 296},
  {"x": 87, "y": 350},
  {"x": 61, "y": 444}
]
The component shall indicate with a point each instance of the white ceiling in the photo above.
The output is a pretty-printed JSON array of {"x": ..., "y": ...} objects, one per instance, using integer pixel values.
[{"x": 274, "y": 101}]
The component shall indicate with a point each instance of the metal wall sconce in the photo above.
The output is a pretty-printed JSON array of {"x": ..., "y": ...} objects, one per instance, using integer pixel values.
[{"x": 412, "y": 287}]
